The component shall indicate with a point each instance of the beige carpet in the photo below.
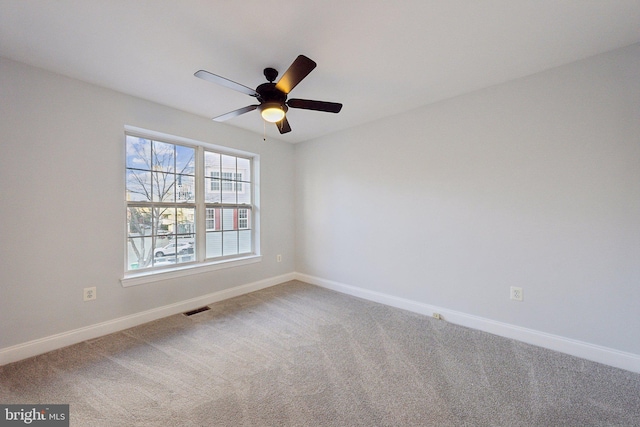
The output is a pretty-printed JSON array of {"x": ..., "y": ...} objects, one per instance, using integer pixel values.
[{"x": 299, "y": 355}]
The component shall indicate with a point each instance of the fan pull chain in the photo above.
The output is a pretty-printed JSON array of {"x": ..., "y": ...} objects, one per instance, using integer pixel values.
[{"x": 264, "y": 135}]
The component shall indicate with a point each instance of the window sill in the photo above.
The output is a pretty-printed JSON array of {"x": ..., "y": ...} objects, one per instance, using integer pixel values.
[{"x": 133, "y": 279}]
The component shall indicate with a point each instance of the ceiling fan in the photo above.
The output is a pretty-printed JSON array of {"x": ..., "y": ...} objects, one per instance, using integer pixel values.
[{"x": 272, "y": 96}]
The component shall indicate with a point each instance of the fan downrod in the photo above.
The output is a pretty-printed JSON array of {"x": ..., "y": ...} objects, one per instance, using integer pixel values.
[{"x": 270, "y": 74}]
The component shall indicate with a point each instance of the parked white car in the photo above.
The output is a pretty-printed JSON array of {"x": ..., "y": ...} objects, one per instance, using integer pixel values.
[{"x": 172, "y": 249}]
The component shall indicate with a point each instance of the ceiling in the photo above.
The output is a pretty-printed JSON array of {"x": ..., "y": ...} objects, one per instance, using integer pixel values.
[{"x": 379, "y": 58}]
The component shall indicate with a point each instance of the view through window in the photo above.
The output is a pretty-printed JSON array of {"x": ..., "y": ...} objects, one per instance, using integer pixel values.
[{"x": 186, "y": 204}]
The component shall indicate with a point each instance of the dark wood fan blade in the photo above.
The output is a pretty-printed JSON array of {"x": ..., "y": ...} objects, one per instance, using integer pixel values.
[
  {"x": 308, "y": 104},
  {"x": 297, "y": 71},
  {"x": 205, "y": 75},
  {"x": 283, "y": 125},
  {"x": 235, "y": 113}
]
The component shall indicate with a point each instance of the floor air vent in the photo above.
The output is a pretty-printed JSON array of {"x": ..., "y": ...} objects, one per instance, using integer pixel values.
[{"x": 197, "y": 310}]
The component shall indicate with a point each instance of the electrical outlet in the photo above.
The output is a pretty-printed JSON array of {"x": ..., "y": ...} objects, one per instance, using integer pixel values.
[
  {"x": 279, "y": 258},
  {"x": 89, "y": 294},
  {"x": 516, "y": 293}
]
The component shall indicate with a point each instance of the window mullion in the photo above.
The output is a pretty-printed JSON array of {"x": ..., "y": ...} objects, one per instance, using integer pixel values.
[{"x": 201, "y": 219}]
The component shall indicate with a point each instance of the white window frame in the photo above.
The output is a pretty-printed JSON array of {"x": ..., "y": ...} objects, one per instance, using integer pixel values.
[{"x": 201, "y": 264}]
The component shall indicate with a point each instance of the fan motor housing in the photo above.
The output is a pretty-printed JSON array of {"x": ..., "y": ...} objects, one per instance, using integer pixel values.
[{"x": 269, "y": 93}]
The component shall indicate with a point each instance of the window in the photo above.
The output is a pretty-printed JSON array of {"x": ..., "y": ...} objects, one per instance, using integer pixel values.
[
  {"x": 228, "y": 203},
  {"x": 227, "y": 179},
  {"x": 186, "y": 204},
  {"x": 243, "y": 219},
  {"x": 211, "y": 219}
]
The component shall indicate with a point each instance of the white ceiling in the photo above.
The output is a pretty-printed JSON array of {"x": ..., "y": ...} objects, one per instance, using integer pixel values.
[{"x": 377, "y": 57}]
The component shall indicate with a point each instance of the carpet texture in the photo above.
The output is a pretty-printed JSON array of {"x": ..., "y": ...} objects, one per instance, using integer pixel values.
[{"x": 299, "y": 355}]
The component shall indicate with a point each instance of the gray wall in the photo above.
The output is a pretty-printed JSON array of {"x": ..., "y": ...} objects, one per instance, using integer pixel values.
[
  {"x": 62, "y": 217},
  {"x": 533, "y": 183}
]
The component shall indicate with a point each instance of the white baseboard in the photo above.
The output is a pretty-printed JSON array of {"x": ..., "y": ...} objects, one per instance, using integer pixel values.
[
  {"x": 53, "y": 342},
  {"x": 595, "y": 353}
]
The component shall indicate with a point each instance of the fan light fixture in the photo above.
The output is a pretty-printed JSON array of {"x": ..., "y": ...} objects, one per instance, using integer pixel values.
[{"x": 272, "y": 111}]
